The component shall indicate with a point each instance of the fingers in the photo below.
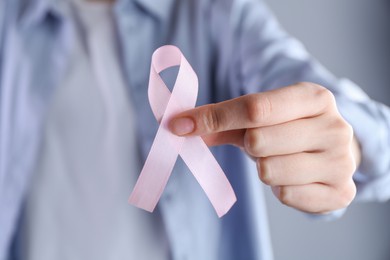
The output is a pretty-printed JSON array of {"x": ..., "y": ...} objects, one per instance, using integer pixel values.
[
  {"x": 316, "y": 198},
  {"x": 256, "y": 110},
  {"x": 284, "y": 138},
  {"x": 311, "y": 182},
  {"x": 302, "y": 144},
  {"x": 306, "y": 168},
  {"x": 303, "y": 135}
]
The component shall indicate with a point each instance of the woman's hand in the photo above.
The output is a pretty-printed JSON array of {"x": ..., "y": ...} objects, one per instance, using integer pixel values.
[{"x": 303, "y": 148}]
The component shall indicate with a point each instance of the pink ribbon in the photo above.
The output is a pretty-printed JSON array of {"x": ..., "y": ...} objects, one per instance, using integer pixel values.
[{"x": 167, "y": 146}]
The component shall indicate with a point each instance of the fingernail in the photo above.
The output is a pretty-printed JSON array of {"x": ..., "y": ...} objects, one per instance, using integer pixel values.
[{"x": 182, "y": 126}]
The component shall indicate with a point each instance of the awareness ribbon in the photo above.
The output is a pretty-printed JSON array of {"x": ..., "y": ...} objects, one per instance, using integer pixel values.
[{"x": 166, "y": 146}]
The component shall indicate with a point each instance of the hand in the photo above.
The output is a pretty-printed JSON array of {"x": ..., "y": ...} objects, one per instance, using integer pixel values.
[{"x": 303, "y": 148}]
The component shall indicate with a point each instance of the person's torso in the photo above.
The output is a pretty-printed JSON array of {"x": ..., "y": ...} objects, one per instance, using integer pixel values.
[{"x": 76, "y": 207}]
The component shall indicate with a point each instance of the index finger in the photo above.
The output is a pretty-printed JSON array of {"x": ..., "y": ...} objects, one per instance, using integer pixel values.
[{"x": 255, "y": 110}]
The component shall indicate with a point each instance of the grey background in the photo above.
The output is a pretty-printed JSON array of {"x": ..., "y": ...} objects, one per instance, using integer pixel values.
[{"x": 352, "y": 39}]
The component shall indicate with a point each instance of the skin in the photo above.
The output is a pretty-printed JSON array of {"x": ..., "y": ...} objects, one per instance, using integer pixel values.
[{"x": 302, "y": 146}]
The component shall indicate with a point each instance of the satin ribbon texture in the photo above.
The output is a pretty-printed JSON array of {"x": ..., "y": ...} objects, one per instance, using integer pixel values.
[{"x": 167, "y": 146}]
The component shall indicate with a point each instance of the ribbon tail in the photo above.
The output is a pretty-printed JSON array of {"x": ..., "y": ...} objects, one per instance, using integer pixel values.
[
  {"x": 157, "y": 170},
  {"x": 209, "y": 174}
]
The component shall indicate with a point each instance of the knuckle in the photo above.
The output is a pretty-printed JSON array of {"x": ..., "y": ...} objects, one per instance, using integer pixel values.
[
  {"x": 323, "y": 95},
  {"x": 258, "y": 108},
  {"x": 343, "y": 132},
  {"x": 252, "y": 141},
  {"x": 349, "y": 166},
  {"x": 348, "y": 131},
  {"x": 285, "y": 196},
  {"x": 343, "y": 126},
  {"x": 265, "y": 174},
  {"x": 341, "y": 172},
  {"x": 347, "y": 194},
  {"x": 212, "y": 119},
  {"x": 344, "y": 167}
]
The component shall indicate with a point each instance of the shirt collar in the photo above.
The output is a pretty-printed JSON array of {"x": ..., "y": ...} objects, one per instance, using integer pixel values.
[{"x": 34, "y": 11}]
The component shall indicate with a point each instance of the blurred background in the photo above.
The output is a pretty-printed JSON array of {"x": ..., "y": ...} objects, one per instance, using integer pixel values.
[{"x": 352, "y": 39}]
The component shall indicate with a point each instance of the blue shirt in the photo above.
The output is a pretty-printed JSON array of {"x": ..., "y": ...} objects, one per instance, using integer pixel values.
[{"x": 236, "y": 47}]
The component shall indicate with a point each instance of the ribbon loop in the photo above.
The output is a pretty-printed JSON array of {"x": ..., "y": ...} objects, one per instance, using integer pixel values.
[{"x": 167, "y": 146}]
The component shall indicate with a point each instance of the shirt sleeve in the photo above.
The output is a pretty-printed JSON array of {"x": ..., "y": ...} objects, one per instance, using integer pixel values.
[{"x": 262, "y": 56}]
